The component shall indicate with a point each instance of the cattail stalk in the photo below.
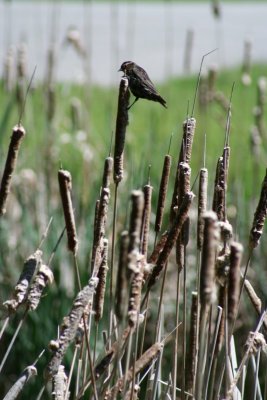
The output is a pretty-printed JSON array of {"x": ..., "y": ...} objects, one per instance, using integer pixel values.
[
  {"x": 60, "y": 384},
  {"x": 121, "y": 288},
  {"x": 101, "y": 287},
  {"x": 163, "y": 192},
  {"x": 18, "y": 134},
  {"x": 65, "y": 187},
  {"x": 259, "y": 217},
  {"x": 43, "y": 277},
  {"x": 191, "y": 360},
  {"x": 135, "y": 293},
  {"x": 234, "y": 280},
  {"x": 146, "y": 219},
  {"x": 18, "y": 386},
  {"x": 202, "y": 205}
]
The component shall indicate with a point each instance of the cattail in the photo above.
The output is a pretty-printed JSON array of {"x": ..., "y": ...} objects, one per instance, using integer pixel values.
[
  {"x": 216, "y": 8},
  {"x": 191, "y": 359},
  {"x": 221, "y": 303},
  {"x": 101, "y": 287},
  {"x": 23, "y": 284},
  {"x": 234, "y": 280},
  {"x": 18, "y": 134},
  {"x": 202, "y": 205},
  {"x": 43, "y": 277},
  {"x": 218, "y": 204},
  {"x": 18, "y": 386},
  {"x": 258, "y": 111},
  {"x": 135, "y": 293},
  {"x": 183, "y": 238},
  {"x": 121, "y": 124},
  {"x": 172, "y": 237},
  {"x": 158, "y": 248},
  {"x": 60, "y": 384},
  {"x": 259, "y": 217},
  {"x": 8, "y": 74},
  {"x": 69, "y": 327},
  {"x": 50, "y": 68},
  {"x": 207, "y": 274},
  {"x": 129, "y": 396},
  {"x": 121, "y": 287},
  {"x": 137, "y": 200},
  {"x": 65, "y": 187},
  {"x": 189, "y": 126},
  {"x": 163, "y": 191},
  {"x": 146, "y": 219},
  {"x": 189, "y": 41},
  {"x": 108, "y": 166},
  {"x": 100, "y": 227}
]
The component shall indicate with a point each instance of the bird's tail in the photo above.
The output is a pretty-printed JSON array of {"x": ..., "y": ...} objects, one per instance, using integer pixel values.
[{"x": 159, "y": 99}]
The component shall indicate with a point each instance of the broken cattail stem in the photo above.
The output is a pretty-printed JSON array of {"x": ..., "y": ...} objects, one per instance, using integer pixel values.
[
  {"x": 259, "y": 217},
  {"x": 18, "y": 134},
  {"x": 18, "y": 386},
  {"x": 137, "y": 200},
  {"x": 22, "y": 287},
  {"x": 207, "y": 274},
  {"x": 146, "y": 219},
  {"x": 121, "y": 288},
  {"x": 191, "y": 359},
  {"x": 202, "y": 205},
  {"x": 158, "y": 248},
  {"x": 135, "y": 293},
  {"x": 65, "y": 187},
  {"x": 108, "y": 166},
  {"x": 101, "y": 287},
  {"x": 43, "y": 278},
  {"x": 60, "y": 384},
  {"x": 163, "y": 191},
  {"x": 172, "y": 237},
  {"x": 234, "y": 280},
  {"x": 121, "y": 124},
  {"x": 69, "y": 327}
]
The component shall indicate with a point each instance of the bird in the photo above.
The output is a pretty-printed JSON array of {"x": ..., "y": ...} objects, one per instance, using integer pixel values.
[{"x": 140, "y": 84}]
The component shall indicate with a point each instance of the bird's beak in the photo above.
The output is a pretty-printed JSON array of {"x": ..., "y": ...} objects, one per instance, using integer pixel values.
[{"x": 119, "y": 70}]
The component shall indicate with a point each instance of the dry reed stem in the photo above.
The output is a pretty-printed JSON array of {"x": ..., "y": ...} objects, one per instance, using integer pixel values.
[
  {"x": 18, "y": 386},
  {"x": 69, "y": 327},
  {"x": 172, "y": 237},
  {"x": 140, "y": 364},
  {"x": 207, "y": 274},
  {"x": 259, "y": 217},
  {"x": 220, "y": 337},
  {"x": 43, "y": 278},
  {"x": 135, "y": 293},
  {"x": 234, "y": 280},
  {"x": 59, "y": 385},
  {"x": 191, "y": 359},
  {"x": 255, "y": 300},
  {"x": 121, "y": 124},
  {"x": 163, "y": 192},
  {"x": 121, "y": 288},
  {"x": 101, "y": 287},
  {"x": 146, "y": 219},
  {"x": 22, "y": 287},
  {"x": 202, "y": 205},
  {"x": 18, "y": 134},
  {"x": 65, "y": 187}
]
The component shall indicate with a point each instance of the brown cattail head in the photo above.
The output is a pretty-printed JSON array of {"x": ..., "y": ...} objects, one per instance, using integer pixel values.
[
  {"x": 43, "y": 278},
  {"x": 137, "y": 200},
  {"x": 101, "y": 287},
  {"x": 163, "y": 191},
  {"x": 60, "y": 384},
  {"x": 146, "y": 219},
  {"x": 189, "y": 126},
  {"x": 107, "y": 172},
  {"x": 207, "y": 275},
  {"x": 18, "y": 134},
  {"x": 218, "y": 204},
  {"x": 65, "y": 187},
  {"x": 173, "y": 234},
  {"x": 135, "y": 293},
  {"x": 191, "y": 359},
  {"x": 259, "y": 217},
  {"x": 121, "y": 124},
  {"x": 234, "y": 280},
  {"x": 202, "y": 205}
]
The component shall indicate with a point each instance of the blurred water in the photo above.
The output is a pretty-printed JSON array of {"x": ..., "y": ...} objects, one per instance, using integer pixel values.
[{"x": 152, "y": 34}]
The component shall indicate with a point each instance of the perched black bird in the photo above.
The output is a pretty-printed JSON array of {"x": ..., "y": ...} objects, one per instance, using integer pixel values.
[{"x": 140, "y": 83}]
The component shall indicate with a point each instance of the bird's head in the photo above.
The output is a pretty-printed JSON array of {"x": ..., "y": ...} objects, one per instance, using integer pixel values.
[{"x": 126, "y": 67}]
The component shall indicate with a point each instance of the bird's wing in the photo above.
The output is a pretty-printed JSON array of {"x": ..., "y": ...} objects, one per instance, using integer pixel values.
[{"x": 141, "y": 74}]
